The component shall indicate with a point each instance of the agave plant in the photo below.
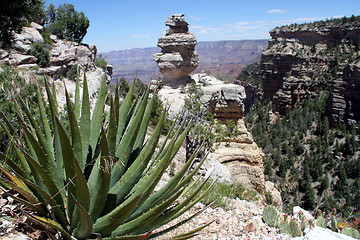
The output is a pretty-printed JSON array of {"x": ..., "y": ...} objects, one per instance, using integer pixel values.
[{"x": 97, "y": 179}]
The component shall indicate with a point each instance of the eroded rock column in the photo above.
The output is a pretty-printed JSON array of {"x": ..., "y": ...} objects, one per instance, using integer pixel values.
[{"x": 178, "y": 57}]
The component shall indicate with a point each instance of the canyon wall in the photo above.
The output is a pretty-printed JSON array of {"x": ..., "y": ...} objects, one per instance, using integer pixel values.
[{"x": 303, "y": 59}]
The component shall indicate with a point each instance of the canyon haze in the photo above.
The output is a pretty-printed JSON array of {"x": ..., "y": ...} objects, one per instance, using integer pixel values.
[{"x": 224, "y": 59}]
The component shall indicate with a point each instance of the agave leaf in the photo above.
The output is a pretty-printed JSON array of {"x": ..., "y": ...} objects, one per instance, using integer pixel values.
[
  {"x": 47, "y": 180},
  {"x": 20, "y": 185},
  {"x": 144, "y": 124},
  {"x": 133, "y": 174},
  {"x": 123, "y": 150},
  {"x": 84, "y": 225},
  {"x": 165, "y": 148},
  {"x": 123, "y": 113},
  {"x": 9, "y": 127},
  {"x": 169, "y": 189},
  {"x": 112, "y": 129},
  {"x": 44, "y": 119},
  {"x": 191, "y": 233},
  {"x": 98, "y": 115},
  {"x": 108, "y": 223},
  {"x": 77, "y": 95},
  {"x": 57, "y": 145},
  {"x": 39, "y": 151},
  {"x": 146, "y": 218},
  {"x": 177, "y": 210},
  {"x": 85, "y": 120},
  {"x": 99, "y": 180},
  {"x": 75, "y": 131},
  {"x": 14, "y": 166},
  {"x": 58, "y": 209},
  {"x": 117, "y": 104},
  {"x": 187, "y": 203},
  {"x": 77, "y": 184},
  {"x": 147, "y": 184},
  {"x": 180, "y": 223},
  {"x": 130, "y": 237},
  {"x": 42, "y": 140},
  {"x": 50, "y": 225}
]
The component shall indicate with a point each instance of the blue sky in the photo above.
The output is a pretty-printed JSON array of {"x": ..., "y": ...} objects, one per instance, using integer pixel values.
[{"x": 127, "y": 24}]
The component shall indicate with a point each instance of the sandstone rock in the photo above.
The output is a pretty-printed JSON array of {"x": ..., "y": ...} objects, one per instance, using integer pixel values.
[
  {"x": 270, "y": 187},
  {"x": 344, "y": 102},
  {"x": 255, "y": 224},
  {"x": 178, "y": 57},
  {"x": 37, "y": 26},
  {"x": 297, "y": 211},
  {"x": 18, "y": 59},
  {"x": 25, "y": 38},
  {"x": 319, "y": 233},
  {"x": 216, "y": 170},
  {"x": 225, "y": 101}
]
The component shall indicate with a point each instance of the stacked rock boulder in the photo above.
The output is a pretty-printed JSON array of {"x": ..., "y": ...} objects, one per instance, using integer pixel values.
[{"x": 178, "y": 57}]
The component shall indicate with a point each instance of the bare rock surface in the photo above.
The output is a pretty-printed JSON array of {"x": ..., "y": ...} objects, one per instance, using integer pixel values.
[
  {"x": 178, "y": 57},
  {"x": 237, "y": 159}
]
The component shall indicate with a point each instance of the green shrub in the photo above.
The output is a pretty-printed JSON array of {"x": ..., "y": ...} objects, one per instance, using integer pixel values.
[
  {"x": 101, "y": 62},
  {"x": 39, "y": 51},
  {"x": 46, "y": 36},
  {"x": 220, "y": 194},
  {"x": 72, "y": 73}
]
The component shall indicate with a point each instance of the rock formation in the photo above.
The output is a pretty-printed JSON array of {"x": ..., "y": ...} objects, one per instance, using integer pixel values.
[
  {"x": 178, "y": 57},
  {"x": 237, "y": 159},
  {"x": 344, "y": 102},
  {"x": 301, "y": 59},
  {"x": 64, "y": 55}
]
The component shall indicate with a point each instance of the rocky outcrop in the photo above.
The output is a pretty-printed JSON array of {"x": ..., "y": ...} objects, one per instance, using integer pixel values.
[
  {"x": 302, "y": 59},
  {"x": 344, "y": 101},
  {"x": 178, "y": 57},
  {"x": 64, "y": 56},
  {"x": 237, "y": 159},
  {"x": 243, "y": 158}
]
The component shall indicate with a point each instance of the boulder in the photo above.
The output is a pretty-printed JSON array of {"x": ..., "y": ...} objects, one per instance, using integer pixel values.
[
  {"x": 178, "y": 57},
  {"x": 319, "y": 233},
  {"x": 23, "y": 40},
  {"x": 18, "y": 59},
  {"x": 270, "y": 187}
]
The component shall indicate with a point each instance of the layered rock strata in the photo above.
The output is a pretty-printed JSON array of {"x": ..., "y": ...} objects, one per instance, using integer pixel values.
[
  {"x": 302, "y": 59},
  {"x": 344, "y": 101},
  {"x": 237, "y": 159},
  {"x": 178, "y": 57}
]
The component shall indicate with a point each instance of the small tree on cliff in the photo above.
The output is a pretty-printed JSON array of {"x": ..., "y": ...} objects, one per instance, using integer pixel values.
[
  {"x": 66, "y": 23},
  {"x": 13, "y": 14}
]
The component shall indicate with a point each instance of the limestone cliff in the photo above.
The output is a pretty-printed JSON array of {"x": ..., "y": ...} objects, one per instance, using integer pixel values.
[
  {"x": 301, "y": 59},
  {"x": 237, "y": 159}
]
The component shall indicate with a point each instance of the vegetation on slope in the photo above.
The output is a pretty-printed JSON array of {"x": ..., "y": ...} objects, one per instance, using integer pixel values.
[{"x": 314, "y": 164}]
